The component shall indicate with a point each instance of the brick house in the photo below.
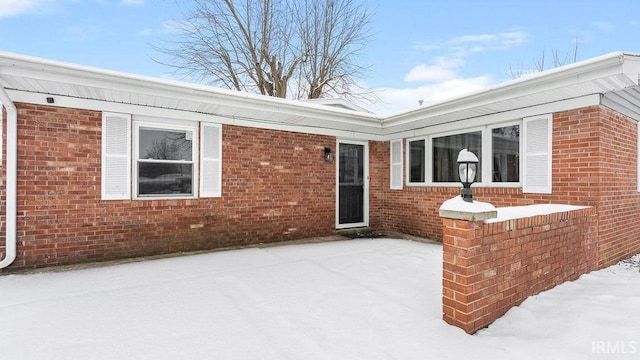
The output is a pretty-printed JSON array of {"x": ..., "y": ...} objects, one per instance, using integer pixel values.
[{"x": 100, "y": 165}]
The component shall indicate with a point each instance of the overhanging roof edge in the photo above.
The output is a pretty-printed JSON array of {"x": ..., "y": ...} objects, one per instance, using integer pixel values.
[
  {"x": 599, "y": 67},
  {"x": 614, "y": 66},
  {"x": 113, "y": 80}
]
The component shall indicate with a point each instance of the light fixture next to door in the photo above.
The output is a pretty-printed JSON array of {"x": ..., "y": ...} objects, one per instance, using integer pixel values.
[{"x": 328, "y": 155}]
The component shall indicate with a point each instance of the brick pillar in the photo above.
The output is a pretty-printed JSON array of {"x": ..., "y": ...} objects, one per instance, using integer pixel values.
[
  {"x": 459, "y": 239},
  {"x": 462, "y": 255}
]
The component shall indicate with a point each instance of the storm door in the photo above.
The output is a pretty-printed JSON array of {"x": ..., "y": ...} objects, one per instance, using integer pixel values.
[{"x": 353, "y": 190}]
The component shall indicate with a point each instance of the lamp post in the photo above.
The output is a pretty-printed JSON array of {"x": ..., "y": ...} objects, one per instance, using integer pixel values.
[{"x": 467, "y": 169}]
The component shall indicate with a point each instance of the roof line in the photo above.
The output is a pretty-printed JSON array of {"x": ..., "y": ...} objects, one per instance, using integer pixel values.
[
  {"x": 88, "y": 72},
  {"x": 607, "y": 61},
  {"x": 611, "y": 72}
]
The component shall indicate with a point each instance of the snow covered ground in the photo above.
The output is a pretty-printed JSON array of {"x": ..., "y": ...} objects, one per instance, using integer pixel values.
[{"x": 359, "y": 299}]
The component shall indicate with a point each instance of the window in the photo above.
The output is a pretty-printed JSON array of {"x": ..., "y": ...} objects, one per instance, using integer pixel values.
[
  {"x": 154, "y": 159},
  {"x": 433, "y": 159},
  {"x": 165, "y": 164},
  {"x": 445, "y": 155},
  {"x": 417, "y": 161},
  {"x": 505, "y": 152}
]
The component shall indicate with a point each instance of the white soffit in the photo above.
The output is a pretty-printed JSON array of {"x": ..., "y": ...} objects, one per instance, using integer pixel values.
[
  {"x": 612, "y": 72},
  {"x": 626, "y": 101},
  {"x": 39, "y": 78},
  {"x": 32, "y": 79}
]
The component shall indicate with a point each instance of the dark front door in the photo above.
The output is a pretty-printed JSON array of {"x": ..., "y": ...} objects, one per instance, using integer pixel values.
[{"x": 351, "y": 181}]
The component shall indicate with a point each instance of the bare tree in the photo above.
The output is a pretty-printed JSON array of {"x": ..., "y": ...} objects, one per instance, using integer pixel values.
[
  {"x": 264, "y": 46},
  {"x": 332, "y": 34},
  {"x": 542, "y": 63},
  {"x": 173, "y": 146}
]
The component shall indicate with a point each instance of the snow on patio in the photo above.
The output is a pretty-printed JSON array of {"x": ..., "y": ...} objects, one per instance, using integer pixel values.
[{"x": 358, "y": 299}]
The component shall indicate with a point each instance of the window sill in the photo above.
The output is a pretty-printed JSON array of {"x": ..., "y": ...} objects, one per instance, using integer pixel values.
[
  {"x": 475, "y": 185},
  {"x": 164, "y": 198}
]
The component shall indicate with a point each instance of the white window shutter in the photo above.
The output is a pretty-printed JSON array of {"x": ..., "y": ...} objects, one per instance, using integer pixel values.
[
  {"x": 537, "y": 142},
  {"x": 116, "y": 156},
  {"x": 396, "y": 164},
  {"x": 211, "y": 160}
]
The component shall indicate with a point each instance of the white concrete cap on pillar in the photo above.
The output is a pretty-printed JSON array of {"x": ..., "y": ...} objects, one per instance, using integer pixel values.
[{"x": 459, "y": 209}]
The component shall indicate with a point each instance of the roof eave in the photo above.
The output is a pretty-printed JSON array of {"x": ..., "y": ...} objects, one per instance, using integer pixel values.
[
  {"x": 620, "y": 69},
  {"x": 115, "y": 81},
  {"x": 607, "y": 73}
]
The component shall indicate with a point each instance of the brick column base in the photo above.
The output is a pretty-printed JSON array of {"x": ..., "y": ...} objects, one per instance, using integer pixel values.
[{"x": 459, "y": 277}]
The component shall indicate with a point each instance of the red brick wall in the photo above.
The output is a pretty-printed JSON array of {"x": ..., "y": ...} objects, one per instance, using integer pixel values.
[
  {"x": 276, "y": 186},
  {"x": 379, "y": 163},
  {"x": 594, "y": 164},
  {"x": 619, "y": 203},
  {"x": 412, "y": 210},
  {"x": 490, "y": 267}
]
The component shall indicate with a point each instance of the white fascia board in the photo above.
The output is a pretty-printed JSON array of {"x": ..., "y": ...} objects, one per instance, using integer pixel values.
[
  {"x": 338, "y": 102},
  {"x": 179, "y": 115},
  {"x": 622, "y": 69},
  {"x": 219, "y": 97},
  {"x": 390, "y": 134},
  {"x": 48, "y": 70},
  {"x": 610, "y": 65},
  {"x": 632, "y": 66},
  {"x": 343, "y": 134},
  {"x": 107, "y": 106},
  {"x": 517, "y": 114}
]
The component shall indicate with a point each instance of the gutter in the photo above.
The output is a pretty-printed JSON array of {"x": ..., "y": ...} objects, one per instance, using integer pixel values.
[
  {"x": 11, "y": 184},
  {"x": 594, "y": 69},
  {"x": 211, "y": 97}
]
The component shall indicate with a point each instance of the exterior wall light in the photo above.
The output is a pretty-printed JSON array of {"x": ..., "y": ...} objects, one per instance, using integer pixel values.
[
  {"x": 467, "y": 169},
  {"x": 328, "y": 155}
]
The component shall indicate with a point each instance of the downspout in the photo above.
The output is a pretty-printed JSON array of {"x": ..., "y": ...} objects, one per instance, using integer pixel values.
[{"x": 11, "y": 185}]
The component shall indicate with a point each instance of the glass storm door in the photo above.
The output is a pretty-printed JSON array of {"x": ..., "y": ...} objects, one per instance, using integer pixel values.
[{"x": 352, "y": 185}]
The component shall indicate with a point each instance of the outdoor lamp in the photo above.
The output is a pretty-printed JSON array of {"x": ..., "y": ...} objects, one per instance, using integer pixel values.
[
  {"x": 328, "y": 155},
  {"x": 467, "y": 169}
]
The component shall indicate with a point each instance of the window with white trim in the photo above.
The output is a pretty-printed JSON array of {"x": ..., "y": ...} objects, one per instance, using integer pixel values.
[
  {"x": 432, "y": 159},
  {"x": 417, "y": 161},
  {"x": 164, "y": 161},
  {"x": 161, "y": 159},
  {"x": 445, "y": 149},
  {"x": 505, "y": 154}
]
